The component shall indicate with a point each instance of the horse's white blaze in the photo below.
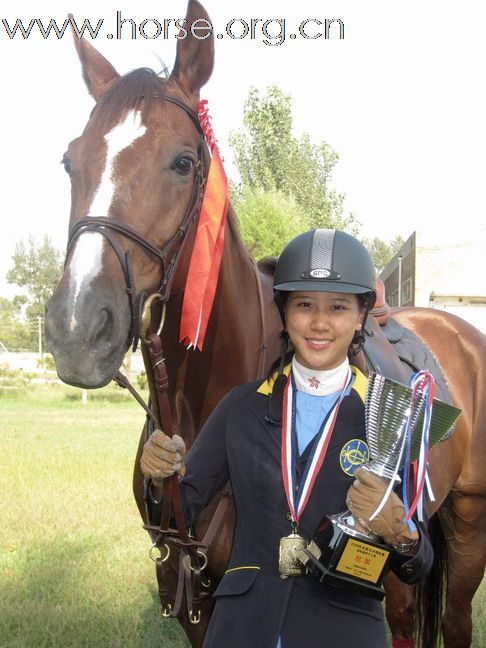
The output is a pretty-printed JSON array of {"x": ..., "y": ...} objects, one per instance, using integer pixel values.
[
  {"x": 120, "y": 137},
  {"x": 84, "y": 266},
  {"x": 85, "y": 263}
]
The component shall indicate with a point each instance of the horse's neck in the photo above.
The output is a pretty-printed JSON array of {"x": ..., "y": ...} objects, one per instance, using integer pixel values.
[
  {"x": 238, "y": 321},
  {"x": 233, "y": 346}
]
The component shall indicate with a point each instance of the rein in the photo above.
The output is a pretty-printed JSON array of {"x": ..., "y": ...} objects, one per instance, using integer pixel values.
[{"x": 192, "y": 558}]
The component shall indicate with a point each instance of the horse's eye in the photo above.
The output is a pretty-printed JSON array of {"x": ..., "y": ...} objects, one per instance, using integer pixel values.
[
  {"x": 184, "y": 165},
  {"x": 66, "y": 164}
]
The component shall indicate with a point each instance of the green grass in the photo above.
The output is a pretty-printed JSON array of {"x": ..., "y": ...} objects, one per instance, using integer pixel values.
[
  {"x": 74, "y": 564},
  {"x": 479, "y": 619}
]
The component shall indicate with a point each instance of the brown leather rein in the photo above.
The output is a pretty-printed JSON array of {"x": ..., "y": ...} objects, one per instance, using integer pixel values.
[{"x": 192, "y": 554}]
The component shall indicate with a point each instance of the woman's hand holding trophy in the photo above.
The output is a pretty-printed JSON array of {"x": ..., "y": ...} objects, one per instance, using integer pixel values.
[{"x": 364, "y": 497}]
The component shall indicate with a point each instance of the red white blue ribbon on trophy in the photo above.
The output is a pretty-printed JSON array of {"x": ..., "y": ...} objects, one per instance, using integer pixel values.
[
  {"x": 422, "y": 384},
  {"x": 298, "y": 493}
]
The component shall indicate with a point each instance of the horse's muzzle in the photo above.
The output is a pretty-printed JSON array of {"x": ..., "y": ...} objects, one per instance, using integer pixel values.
[{"x": 88, "y": 344}]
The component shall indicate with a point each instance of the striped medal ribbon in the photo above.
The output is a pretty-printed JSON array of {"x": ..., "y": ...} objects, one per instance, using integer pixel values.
[{"x": 298, "y": 493}]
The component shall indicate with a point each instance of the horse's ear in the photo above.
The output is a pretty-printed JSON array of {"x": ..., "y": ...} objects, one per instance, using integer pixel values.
[
  {"x": 98, "y": 72},
  {"x": 195, "y": 51}
]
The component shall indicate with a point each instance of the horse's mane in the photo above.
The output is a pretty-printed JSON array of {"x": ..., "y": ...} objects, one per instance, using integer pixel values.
[{"x": 136, "y": 89}]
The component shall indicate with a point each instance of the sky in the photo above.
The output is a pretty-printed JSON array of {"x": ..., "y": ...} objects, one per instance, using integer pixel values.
[{"x": 401, "y": 100}]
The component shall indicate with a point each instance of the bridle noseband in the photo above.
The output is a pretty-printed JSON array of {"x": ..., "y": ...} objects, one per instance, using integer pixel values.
[{"x": 166, "y": 256}]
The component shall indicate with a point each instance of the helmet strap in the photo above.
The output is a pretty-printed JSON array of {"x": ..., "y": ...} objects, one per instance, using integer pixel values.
[
  {"x": 284, "y": 347},
  {"x": 279, "y": 299},
  {"x": 360, "y": 336}
]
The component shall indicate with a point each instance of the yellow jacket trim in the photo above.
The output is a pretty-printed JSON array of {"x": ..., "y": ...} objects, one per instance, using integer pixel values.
[
  {"x": 239, "y": 568},
  {"x": 360, "y": 383},
  {"x": 267, "y": 385}
]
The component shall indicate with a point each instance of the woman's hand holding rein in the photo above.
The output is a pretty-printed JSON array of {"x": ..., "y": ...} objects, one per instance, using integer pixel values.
[{"x": 162, "y": 457}]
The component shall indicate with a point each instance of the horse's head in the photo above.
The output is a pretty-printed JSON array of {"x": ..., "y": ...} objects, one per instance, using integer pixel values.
[{"x": 135, "y": 171}]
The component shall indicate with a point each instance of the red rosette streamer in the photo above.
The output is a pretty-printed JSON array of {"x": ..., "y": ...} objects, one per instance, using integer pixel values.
[{"x": 202, "y": 277}]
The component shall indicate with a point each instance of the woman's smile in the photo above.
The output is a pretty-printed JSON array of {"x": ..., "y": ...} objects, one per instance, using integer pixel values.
[{"x": 319, "y": 343}]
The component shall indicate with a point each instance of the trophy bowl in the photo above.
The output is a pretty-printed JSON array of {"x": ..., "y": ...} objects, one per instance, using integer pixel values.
[{"x": 388, "y": 411}]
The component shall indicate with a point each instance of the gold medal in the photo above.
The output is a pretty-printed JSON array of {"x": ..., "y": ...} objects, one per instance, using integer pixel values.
[{"x": 288, "y": 563}]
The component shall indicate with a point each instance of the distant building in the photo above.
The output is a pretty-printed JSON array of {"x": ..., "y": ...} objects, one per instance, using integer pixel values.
[{"x": 449, "y": 276}]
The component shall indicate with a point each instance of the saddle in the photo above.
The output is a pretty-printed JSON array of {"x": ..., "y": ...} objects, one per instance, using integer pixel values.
[{"x": 395, "y": 352}]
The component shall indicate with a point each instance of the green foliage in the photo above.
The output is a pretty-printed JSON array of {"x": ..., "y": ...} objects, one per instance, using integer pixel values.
[
  {"x": 262, "y": 149},
  {"x": 268, "y": 220},
  {"x": 142, "y": 381},
  {"x": 270, "y": 158},
  {"x": 383, "y": 252},
  {"x": 36, "y": 268},
  {"x": 47, "y": 362},
  {"x": 12, "y": 378},
  {"x": 14, "y": 332}
]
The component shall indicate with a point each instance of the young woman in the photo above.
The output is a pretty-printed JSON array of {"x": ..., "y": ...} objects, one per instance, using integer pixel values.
[{"x": 264, "y": 437}]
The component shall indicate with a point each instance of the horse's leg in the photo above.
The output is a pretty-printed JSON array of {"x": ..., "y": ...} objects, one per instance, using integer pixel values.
[
  {"x": 464, "y": 522},
  {"x": 399, "y": 607}
]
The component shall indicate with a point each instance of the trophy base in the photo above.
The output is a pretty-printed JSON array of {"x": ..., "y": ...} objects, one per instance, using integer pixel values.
[{"x": 351, "y": 561}]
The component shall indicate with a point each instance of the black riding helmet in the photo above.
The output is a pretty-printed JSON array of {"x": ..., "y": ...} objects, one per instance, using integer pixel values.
[{"x": 325, "y": 260}]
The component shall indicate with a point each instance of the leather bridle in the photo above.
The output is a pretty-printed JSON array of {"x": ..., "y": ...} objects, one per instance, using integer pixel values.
[{"x": 167, "y": 255}]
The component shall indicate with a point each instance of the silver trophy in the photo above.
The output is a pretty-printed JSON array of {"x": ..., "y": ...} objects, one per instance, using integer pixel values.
[
  {"x": 355, "y": 559},
  {"x": 387, "y": 409}
]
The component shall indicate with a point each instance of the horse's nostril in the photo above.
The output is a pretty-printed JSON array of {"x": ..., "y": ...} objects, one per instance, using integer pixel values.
[{"x": 103, "y": 327}]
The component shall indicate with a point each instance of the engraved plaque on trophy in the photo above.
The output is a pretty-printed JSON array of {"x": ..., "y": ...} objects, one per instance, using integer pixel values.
[{"x": 354, "y": 558}]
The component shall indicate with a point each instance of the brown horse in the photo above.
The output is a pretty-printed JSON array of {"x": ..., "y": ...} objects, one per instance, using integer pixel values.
[{"x": 135, "y": 166}]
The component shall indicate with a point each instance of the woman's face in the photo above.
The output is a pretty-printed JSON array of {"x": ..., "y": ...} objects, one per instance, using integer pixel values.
[{"x": 321, "y": 326}]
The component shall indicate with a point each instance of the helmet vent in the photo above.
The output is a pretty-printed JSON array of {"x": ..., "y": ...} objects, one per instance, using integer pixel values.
[{"x": 322, "y": 247}]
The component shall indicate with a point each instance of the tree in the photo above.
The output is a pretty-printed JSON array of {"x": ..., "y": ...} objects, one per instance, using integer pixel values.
[
  {"x": 14, "y": 333},
  {"x": 268, "y": 219},
  {"x": 382, "y": 252},
  {"x": 269, "y": 157},
  {"x": 36, "y": 268}
]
